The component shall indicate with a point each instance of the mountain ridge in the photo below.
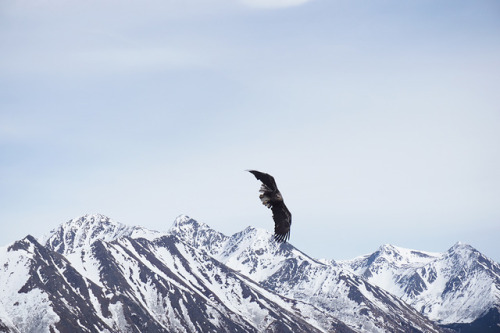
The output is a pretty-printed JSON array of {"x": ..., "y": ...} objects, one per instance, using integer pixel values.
[
  {"x": 131, "y": 279},
  {"x": 455, "y": 287}
]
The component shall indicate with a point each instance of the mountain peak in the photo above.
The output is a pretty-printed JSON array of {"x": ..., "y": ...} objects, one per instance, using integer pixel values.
[
  {"x": 27, "y": 244},
  {"x": 90, "y": 221},
  {"x": 462, "y": 251},
  {"x": 85, "y": 230},
  {"x": 387, "y": 258},
  {"x": 461, "y": 245},
  {"x": 244, "y": 282},
  {"x": 391, "y": 253},
  {"x": 185, "y": 222},
  {"x": 388, "y": 248},
  {"x": 92, "y": 218},
  {"x": 406, "y": 255},
  {"x": 187, "y": 228},
  {"x": 255, "y": 234},
  {"x": 196, "y": 234}
]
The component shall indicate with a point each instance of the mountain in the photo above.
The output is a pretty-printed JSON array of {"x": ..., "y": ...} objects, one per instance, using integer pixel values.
[
  {"x": 289, "y": 272},
  {"x": 93, "y": 274},
  {"x": 458, "y": 289},
  {"x": 102, "y": 279},
  {"x": 85, "y": 230}
]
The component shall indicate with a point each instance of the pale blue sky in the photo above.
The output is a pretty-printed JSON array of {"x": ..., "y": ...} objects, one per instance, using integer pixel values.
[{"x": 380, "y": 120}]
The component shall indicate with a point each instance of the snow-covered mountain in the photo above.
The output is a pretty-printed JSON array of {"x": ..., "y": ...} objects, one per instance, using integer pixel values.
[
  {"x": 83, "y": 231},
  {"x": 139, "y": 285},
  {"x": 459, "y": 288},
  {"x": 92, "y": 274},
  {"x": 289, "y": 272}
]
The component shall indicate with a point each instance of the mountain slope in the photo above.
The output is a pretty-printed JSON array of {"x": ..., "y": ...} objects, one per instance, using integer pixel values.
[
  {"x": 83, "y": 231},
  {"x": 457, "y": 287},
  {"x": 42, "y": 292},
  {"x": 115, "y": 283},
  {"x": 93, "y": 274},
  {"x": 289, "y": 272}
]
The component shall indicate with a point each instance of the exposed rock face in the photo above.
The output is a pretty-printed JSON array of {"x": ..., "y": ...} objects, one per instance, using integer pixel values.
[
  {"x": 92, "y": 274},
  {"x": 455, "y": 288}
]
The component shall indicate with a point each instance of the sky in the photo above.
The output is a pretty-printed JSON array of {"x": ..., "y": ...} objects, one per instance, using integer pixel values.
[{"x": 380, "y": 120}]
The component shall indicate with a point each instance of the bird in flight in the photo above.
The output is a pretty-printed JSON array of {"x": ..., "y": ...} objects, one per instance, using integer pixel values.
[{"x": 272, "y": 198}]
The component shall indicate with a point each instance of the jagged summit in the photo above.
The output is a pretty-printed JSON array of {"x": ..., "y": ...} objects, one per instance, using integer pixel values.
[
  {"x": 460, "y": 246},
  {"x": 197, "y": 234},
  {"x": 28, "y": 244},
  {"x": 388, "y": 255},
  {"x": 185, "y": 226},
  {"x": 256, "y": 234},
  {"x": 404, "y": 256},
  {"x": 184, "y": 222},
  {"x": 455, "y": 286},
  {"x": 95, "y": 271},
  {"x": 462, "y": 252},
  {"x": 84, "y": 230}
]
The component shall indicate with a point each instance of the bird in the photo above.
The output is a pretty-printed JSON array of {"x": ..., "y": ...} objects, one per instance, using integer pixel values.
[{"x": 272, "y": 198}]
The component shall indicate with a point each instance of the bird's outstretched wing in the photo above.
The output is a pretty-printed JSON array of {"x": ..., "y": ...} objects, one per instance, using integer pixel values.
[
  {"x": 272, "y": 198},
  {"x": 282, "y": 222},
  {"x": 266, "y": 179}
]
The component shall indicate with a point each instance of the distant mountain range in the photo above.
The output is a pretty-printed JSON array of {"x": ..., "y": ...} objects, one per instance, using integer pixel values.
[{"x": 92, "y": 274}]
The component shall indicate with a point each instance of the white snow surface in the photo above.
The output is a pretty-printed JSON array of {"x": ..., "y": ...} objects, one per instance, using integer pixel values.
[
  {"x": 83, "y": 231},
  {"x": 194, "y": 271},
  {"x": 457, "y": 286},
  {"x": 250, "y": 278},
  {"x": 253, "y": 253},
  {"x": 29, "y": 312}
]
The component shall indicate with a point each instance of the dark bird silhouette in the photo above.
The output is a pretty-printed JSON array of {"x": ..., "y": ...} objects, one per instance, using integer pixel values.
[{"x": 272, "y": 198}]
